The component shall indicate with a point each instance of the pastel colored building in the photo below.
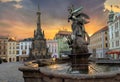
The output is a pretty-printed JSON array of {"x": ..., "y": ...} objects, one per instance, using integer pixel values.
[
  {"x": 11, "y": 50},
  {"x": 3, "y": 47},
  {"x": 99, "y": 43},
  {"x": 114, "y": 35},
  {"x": 52, "y": 46},
  {"x": 23, "y": 49},
  {"x": 63, "y": 47}
]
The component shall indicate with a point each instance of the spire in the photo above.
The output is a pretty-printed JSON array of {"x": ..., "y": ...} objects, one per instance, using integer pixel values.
[
  {"x": 38, "y": 7},
  {"x": 38, "y": 19},
  {"x": 38, "y": 32}
]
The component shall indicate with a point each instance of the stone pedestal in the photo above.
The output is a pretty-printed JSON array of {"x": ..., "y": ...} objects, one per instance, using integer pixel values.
[{"x": 79, "y": 62}]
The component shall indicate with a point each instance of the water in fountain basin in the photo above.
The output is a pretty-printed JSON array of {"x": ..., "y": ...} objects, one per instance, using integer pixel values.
[{"x": 92, "y": 69}]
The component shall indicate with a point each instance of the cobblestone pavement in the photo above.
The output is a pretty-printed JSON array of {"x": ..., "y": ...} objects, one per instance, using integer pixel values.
[{"x": 9, "y": 72}]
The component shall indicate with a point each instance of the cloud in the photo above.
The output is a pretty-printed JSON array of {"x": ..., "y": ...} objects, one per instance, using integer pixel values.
[
  {"x": 22, "y": 22},
  {"x": 4, "y": 1},
  {"x": 17, "y": 6},
  {"x": 115, "y": 5},
  {"x": 17, "y": 28}
]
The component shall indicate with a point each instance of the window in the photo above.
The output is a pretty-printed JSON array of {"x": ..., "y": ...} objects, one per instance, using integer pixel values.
[
  {"x": 21, "y": 47},
  {"x": 17, "y": 52},
  {"x": 17, "y": 47},
  {"x": 117, "y": 25},
  {"x": 112, "y": 44},
  {"x": 26, "y": 47},
  {"x": 105, "y": 38},
  {"x": 117, "y": 34},
  {"x": 23, "y": 52},
  {"x": 106, "y": 45},
  {"x": 117, "y": 43},
  {"x": 105, "y": 32},
  {"x": 55, "y": 50},
  {"x": 4, "y": 53},
  {"x": 112, "y": 35}
]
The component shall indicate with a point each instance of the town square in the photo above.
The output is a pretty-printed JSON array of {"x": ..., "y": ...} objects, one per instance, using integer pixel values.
[{"x": 59, "y": 41}]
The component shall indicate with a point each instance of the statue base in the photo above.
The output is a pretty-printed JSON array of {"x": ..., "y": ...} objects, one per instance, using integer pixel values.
[{"x": 79, "y": 63}]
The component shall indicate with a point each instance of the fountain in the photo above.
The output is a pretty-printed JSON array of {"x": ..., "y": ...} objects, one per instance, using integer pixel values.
[
  {"x": 78, "y": 41},
  {"x": 79, "y": 70}
]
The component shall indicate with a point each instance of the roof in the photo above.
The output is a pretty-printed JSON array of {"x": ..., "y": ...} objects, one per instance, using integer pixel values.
[
  {"x": 3, "y": 37},
  {"x": 64, "y": 32},
  {"x": 13, "y": 39},
  {"x": 101, "y": 30},
  {"x": 27, "y": 39}
]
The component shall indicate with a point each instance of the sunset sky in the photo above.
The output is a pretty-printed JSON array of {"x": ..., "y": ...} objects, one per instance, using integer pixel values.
[{"x": 18, "y": 17}]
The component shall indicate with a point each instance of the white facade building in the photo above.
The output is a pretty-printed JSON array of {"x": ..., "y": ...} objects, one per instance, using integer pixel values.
[
  {"x": 53, "y": 48},
  {"x": 114, "y": 35},
  {"x": 99, "y": 43},
  {"x": 23, "y": 49}
]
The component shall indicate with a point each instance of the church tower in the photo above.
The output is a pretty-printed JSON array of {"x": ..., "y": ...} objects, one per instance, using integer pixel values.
[{"x": 39, "y": 47}]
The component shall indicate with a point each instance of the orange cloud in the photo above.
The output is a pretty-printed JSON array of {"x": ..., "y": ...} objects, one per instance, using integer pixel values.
[{"x": 23, "y": 30}]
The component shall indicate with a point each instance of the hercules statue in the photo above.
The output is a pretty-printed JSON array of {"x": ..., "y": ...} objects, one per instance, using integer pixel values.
[{"x": 79, "y": 39}]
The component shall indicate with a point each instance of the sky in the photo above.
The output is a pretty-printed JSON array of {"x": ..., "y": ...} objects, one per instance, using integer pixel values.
[{"x": 18, "y": 17}]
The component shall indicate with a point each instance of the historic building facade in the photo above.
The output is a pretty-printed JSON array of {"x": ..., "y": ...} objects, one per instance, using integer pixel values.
[
  {"x": 3, "y": 47},
  {"x": 53, "y": 48},
  {"x": 63, "y": 47},
  {"x": 23, "y": 49},
  {"x": 39, "y": 47},
  {"x": 11, "y": 50},
  {"x": 99, "y": 43},
  {"x": 114, "y": 35}
]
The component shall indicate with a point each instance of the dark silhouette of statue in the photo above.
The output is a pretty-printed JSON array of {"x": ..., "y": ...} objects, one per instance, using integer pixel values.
[{"x": 79, "y": 39}]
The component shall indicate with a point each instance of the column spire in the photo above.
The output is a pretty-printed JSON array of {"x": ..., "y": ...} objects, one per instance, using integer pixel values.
[{"x": 38, "y": 33}]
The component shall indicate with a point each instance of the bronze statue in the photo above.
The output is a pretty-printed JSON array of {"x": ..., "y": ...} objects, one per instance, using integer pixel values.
[{"x": 79, "y": 38}]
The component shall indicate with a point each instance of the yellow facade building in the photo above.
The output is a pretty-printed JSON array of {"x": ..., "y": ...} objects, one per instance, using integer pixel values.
[{"x": 11, "y": 50}]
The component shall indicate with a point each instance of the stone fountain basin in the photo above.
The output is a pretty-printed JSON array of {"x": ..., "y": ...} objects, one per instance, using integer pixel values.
[{"x": 33, "y": 73}]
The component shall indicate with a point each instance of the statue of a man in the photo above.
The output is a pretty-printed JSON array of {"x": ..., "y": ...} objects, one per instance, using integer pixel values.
[
  {"x": 79, "y": 38},
  {"x": 79, "y": 19}
]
